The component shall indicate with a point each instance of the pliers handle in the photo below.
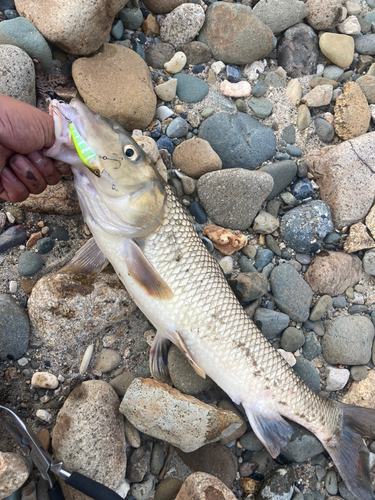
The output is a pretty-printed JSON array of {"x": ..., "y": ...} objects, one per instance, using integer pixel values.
[{"x": 31, "y": 445}]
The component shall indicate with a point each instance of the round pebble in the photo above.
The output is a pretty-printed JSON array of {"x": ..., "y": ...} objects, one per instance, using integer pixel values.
[
  {"x": 29, "y": 263},
  {"x": 262, "y": 258},
  {"x": 168, "y": 489},
  {"x": 44, "y": 380},
  {"x": 292, "y": 339},
  {"x": 358, "y": 372},
  {"x": 107, "y": 360},
  {"x": 45, "y": 245},
  {"x": 311, "y": 348}
]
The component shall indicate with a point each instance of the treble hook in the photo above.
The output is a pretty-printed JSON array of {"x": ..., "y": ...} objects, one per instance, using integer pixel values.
[{"x": 119, "y": 160}]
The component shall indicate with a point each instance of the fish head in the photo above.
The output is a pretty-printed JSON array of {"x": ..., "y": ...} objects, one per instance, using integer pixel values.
[{"x": 126, "y": 183}]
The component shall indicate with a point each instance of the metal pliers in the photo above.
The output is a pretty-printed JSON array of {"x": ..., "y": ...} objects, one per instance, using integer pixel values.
[{"x": 31, "y": 445}]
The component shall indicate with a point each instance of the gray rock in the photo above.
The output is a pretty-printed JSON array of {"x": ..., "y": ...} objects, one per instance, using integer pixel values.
[
  {"x": 245, "y": 265},
  {"x": 324, "y": 130},
  {"x": 273, "y": 245},
  {"x": 145, "y": 490},
  {"x": 303, "y": 228},
  {"x": 263, "y": 258},
  {"x": 14, "y": 328},
  {"x": 249, "y": 441},
  {"x": 332, "y": 72},
  {"x": 157, "y": 54},
  {"x": 139, "y": 464},
  {"x": 345, "y": 493},
  {"x": 302, "y": 445},
  {"x": 168, "y": 489},
  {"x": 271, "y": 323},
  {"x": 183, "y": 375},
  {"x": 196, "y": 52},
  {"x": 369, "y": 262},
  {"x": 191, "y": 88},
  {"x": 264, "y": 460},
  {"x": 259, "y": 89},
  {"x": 266, "y": 271},
  {"x": 292, "y": 339},
  {"x": 157, "y": 458},
  {"x": 348, "y": 340},
  {"x": 279, "y": 15},
  {"x": 131, "y": 18},
  {"x": 311, "y": 348},
  {"x": 291, "y": 292},
  {"x": 358, "y": 372},
  {"x": 303, "y": 258},
  {"x": 308, "y": 373},
  {"x": 45, "y": 245},
  {"x": 289, "y": 134},
  {"x": 14, "y": 235},
  {"x": 260, "y": 107},
  {"x": 177, "y": 128},
  {"x": 232, "y": 198},
  {"x": 21, "y": 33},
  {"x": 29, "y": 263},
  {"x": 282, "y": 172},
  {"x": 248, "y": 286},
  {"x": 322, "y": 305},
  {"x": 272, "y": 79},
  {"x": 121, "y": 382},
  {"x": 17, "y": 77},
  {"x": 298, "y": 51},
  {"x": 240, "y": 140},
  {"x": 279, "y": 485},
  {"x": 294, "y": 151},
  {"x": 117, "y": 29},
  {"x": 319, "y": 328},
  {"x": 365, "y": 44},
  {"x": 320, "y": 472},
  {"x": 330, "y": 482}
]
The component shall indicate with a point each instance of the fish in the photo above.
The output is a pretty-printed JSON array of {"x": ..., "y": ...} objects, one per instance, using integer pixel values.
[{"x": 139, "y": 226}]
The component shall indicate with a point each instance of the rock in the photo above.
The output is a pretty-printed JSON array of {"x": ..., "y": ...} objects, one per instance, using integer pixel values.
[
  {"x": 265, "y": 223},
  {"x": 292, "y": 339},
  {"x": 298, "y": 51},
  {"x": 292, "y": 294},
  {"x": 11, "y": 237},
  {"x": 14, "y": 470},
  {"x": 176, "y": 64},
  {"x": 168, "y": 489},
  {"x": 202, "y": 486},
  {"x": 260, "y": 89},
  {"x": 67, "y": 309},
  {"x": 282, "y": 172},
  {"x": 254, "y": 145},
  {"x": 107, "y": 360},
  {"x": 157, "y": 458},
  {"x": 352, "y": 113},
  {"x": 167, "y": 90},
  {"x": 294, "y": 91},
  {"x": 365, "y": 44},
  {"x": 270, "y": 323},
  {"x": 44, "y": 380},
  {"x": 226, "y": 405},
  {"x": 121, "y": 382},
  {"x": 230, "y": 26},
  {"x": 350, "y": 26},
  {"x": 280, "y": 15},
  {"x": 369, "y": 262},
  {"x": 197, "y": 212},
  {"x": 60, "y": 199},
  {"x": 183, "y": 375},
  {"x": 279, "y": 485},
  {"x": 324, "y": 130},
  {"x": 336, "y": 378},
  {"x": 152, "y": 406},
  {"x": 302, "y": 445},
  {"x": 213, "y": 459},
  {"x": 162, "y": 6},
  {"x": 177, "y": 128},
  {"x": 90, "y": 415},
  {"x": 224, "y": 240},
  {"x": 29, "y": 263},
  {"x": 14, "y": 328},
  {"x": 21, "y": 33},
  {"x": 261, "y": 107},
  {"x": 132, "y": 18},
  {"x": 195, "y": 157},
  {"x": 303, "y": 228},
  {"x": 318, "y": 96},
  {"x": 362, "y": 393},
  {"x": 190, "y": 88},
  {"x": 144, "y": 490},
  {"x": 17, "y": 78},
  {"x": 344, "y": 174},
  {"x": 139, "y": 464},
  {"x": 367, "y": 85},
  {"x": 311, "y": 348},
  {"x": 157, "y": 54},
  {"x": 196, "y": 52},
  {"x": 236, "y": 90},
  {"x": 339, "y": 49},
  {"x": 263, "y": 258},
  {"x": 302, "y": 189},
  {"x": 182, "y": 24},
  {"x": 74, "y": 30},
  {"x": 108, "y": 88},
  {"x": 323, "y": 14},
  {"x": 303, "y": 117},
  {"x": 370, "y": 221},
  {"x": 332, "y": 274},
  {"x": 348, "y": 340},
  {"x": 358, "y": 372},
  {"x": 250, "y": 442},
  {"x": 233, "y": 197},
  {"x": 358, "y": 239},
  {"x": 322, "y": 305},
  {"x": 308, "y": 373},
  {"x": 248, "y": 286}
]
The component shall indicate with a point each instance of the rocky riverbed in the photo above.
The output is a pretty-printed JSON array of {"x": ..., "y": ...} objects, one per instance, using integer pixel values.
[{"x": 260, "y": 116}]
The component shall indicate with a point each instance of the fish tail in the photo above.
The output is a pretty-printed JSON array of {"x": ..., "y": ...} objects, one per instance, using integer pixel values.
[{"x": 348, "y": 450}]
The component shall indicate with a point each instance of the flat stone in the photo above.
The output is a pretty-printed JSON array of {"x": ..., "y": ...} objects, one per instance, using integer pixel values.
[
  {"x": 339, "y": 49},
  {"x": 365, "y": 44},
  {"x": 318, "y": 96},
  {"x": 196, "y": 52},
  {"x": 248, "y": 286},
  {"x": 265, "y": 223},
  {"x": 358, "y": 239},
  {"x": 324, "y": 130},
  {"x": 182, "y": 24},
  {"x": 323, "y": 304},
  {"x": 195, "y": 157},
  {"x": 308, "y": 373},
  {"x": 294, "y": 91},
  {"x": 14, "y": 328},
  {"x": 298, "y": 51},
  {"x": 261, "y": 107},
  {"x": 202, "y": 486},
  {"x": 352, "y": 114},
  {"x": 279, "y": 15},
  {"x": 17, "y": 78},
  {"x": 271, "y": 323},
  {"x": 190, "y": 88},
  {"x": 107, "y": 360},
  {"x": 323, "y": 14}
]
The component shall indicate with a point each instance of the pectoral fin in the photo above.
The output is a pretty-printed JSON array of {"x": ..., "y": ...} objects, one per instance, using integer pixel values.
[
  {"x": 270, "y": 427},
  {"x": 88, "y": 260},
  {"x": 144, "y": 273},
  {"x": 179, "y": 342},
  {"x": 158, "y": 357}
]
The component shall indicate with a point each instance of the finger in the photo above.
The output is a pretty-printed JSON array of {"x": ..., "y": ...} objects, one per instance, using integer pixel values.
[
  {"x": 63, "y": 168},
  {"x": 45, "y": 167},
  {"x": 13, "y": 189},
  {"x": 28, "y": 174}
]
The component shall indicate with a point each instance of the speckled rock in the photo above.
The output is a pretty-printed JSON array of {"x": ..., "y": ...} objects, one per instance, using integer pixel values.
[
  {"x": 324, "y": 14},
  {"x": 14, "y": 470},
  {"x": 235, "y": 35},
  {"x": 298, "y": 51},
  {"x": 195, "y": 157},
  {"x": 90, "y": 415},
  {"x": 279, "y": 15},
  {"x": 202, "y": 486},
  {"x": 182, "y": 24},
  {"x": 17, "y": 77},
  {"x": 233, "y": 197},
  {"x": 152, "y": 406},
  {"x": 332, "y": 274},
  {"x": 108, "y": 88},
  {"x": 362, "y": 393},
  {"x": 74, "y": 29},
  {"x": 67, "y": 309},
  {"x": 14, "y": 328},
  {"x": 358, "y": 239},
  {"x": 345, "y": 176},
  {"x": 352, "y": 113},
  {"x": 279, "y": 485},
  {"x": 60, "y": 199}
]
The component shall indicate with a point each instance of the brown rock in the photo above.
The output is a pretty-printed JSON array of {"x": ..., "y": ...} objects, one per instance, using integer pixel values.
[
  {"x": 224, "y": 240},
  {"x": 27, "y": 285},
  {"x": 73, "y": 27},
  {"x": 358, "y": 239},
  {"x": 202, "y": 486},
  {"x": 345, "y": 176},
  {"x": 90, "y": 417},
  {"x": 195, "y": 157},
  {"x": 157, "y": 54},
  {"x": 370, "y": 221},
  {"x": 352, "y": 113},
  {"x": 303, "y": 117},
  {"x": 150, "y": 26},
  {"x": 362, "y": 393},
  {"x": 14, "y": 470},
  {"x": 367, "y": 85},
  {"x": 323, "y": 14},
  {"x": 196, "y": 52},
  {"x": 250, "y": 486},
  {"x": 162, "y": 6},
  {"x": 332, "y": 274},
  {"x": 110, "y": 89},
  {"x": 60, "y": 199},
  {"x": 339, "y": 49},
  {"x": 227, "y": 405},
  {"x": 320, "y": 80},
  {"x": 32, "y": 241},
  {"x": 44, "y": 437},
  {"x": 213, "y": 459}
]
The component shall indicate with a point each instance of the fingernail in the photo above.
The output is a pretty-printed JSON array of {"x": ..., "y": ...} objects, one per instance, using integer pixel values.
[
  {"x": 35, "y": 157},
  {"x": 20, "y": 163},
  {"x": 8, "y": 174}
]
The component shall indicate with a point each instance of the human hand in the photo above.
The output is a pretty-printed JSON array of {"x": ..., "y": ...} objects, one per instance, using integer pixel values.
[{"x": 24, "y": 132}]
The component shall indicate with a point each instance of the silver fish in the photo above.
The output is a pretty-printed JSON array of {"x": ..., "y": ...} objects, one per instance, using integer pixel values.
[{"x": 139, "y": 226}]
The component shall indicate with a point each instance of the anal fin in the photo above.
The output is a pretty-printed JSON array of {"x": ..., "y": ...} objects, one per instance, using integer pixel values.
[
  {"x": 270, "y": 427},
  {"x": 144, "y": 273},
  {"x": 88, "y": 260},
  {"x": 158, "y": 357},
  {"x": 179, "y": 342}
]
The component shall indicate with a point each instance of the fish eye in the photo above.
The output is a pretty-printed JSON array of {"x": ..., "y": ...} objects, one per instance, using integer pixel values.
[{"x": 130, "y": 152}]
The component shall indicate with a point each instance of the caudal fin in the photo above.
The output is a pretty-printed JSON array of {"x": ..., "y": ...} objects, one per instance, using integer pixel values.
[{"x": 349, "y": 452}]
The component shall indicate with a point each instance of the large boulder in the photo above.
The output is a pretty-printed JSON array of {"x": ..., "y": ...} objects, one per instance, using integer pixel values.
[{"x": 17, "y": 76}]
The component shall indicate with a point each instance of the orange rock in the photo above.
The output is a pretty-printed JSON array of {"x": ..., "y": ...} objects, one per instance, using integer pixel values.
[
  {"x": 150, "y": 26},
  {"x": 224, "y": 240},
  {"x": 44, "y": 437},
  {"x": 31, "y": 242},
  {"x": 249, "y": 486}
]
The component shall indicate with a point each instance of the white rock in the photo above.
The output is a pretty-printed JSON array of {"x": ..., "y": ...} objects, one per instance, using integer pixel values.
[
  {"x": 14, "y": 470},
  {"x": 336, "y": 378},
  {"x": 44, "y": 415},
  {"x": 353, "y": 8},
  {"x": 294, "y": 91},
  {"x": 288, "y": 356},
  {"x": 226, "y": 264},
  {"x": 12, "y": 286},
  {"x": 176, "y": 64},
  {"x": 123, "y": 489},
  {"x": 239, "y": 89},
  {"x": 86, "y": 359},
  {"x": 372, "y": 460},
  {"x": 44, "y": 380},
  {"x": 265, "y": 223},
  {"x": 372, "y": 109},
  {"x": 163, "y": 112},
  {"x": 319, "y": 96},
  {"x": 344, "y": 13},
  {"x": 217, "y": 67},
  {"x": 320, "y": 69},
  {"x": 10, "y": 217},
  {"x": 22, "y": 361},
  {"x": 350, "y": 26},
  {"x": 252, "y": 70},
  {"x": 167, "y": 91}
]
